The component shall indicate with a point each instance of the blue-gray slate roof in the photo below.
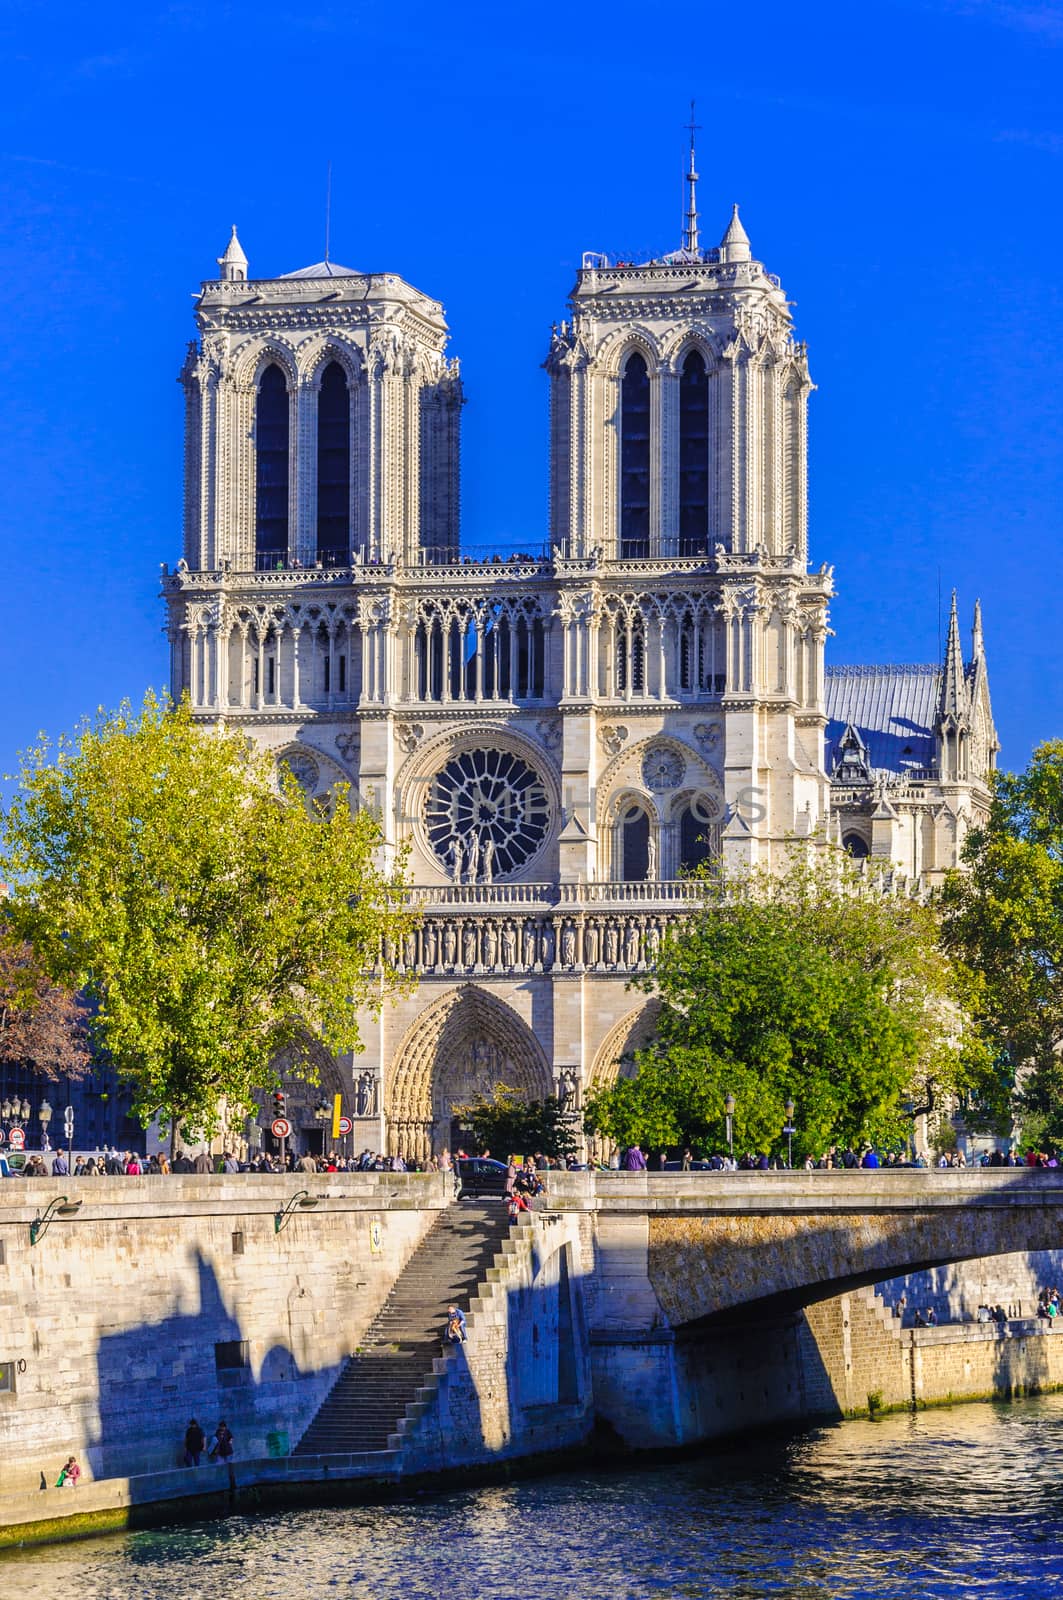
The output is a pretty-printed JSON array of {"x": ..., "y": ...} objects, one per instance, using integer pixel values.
[{"x": 892, "y": 708}]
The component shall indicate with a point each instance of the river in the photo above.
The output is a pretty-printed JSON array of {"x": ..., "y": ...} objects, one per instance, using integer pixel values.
[{"x": 965, "y": 1501}]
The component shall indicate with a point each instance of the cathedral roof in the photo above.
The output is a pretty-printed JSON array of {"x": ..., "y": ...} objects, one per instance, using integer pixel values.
[
  {"x": 324, "y": 269},
  {"x": 892, "y": 708}
]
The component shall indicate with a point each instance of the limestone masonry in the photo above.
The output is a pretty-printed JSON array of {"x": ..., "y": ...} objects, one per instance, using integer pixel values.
[{"x": 557, "y": 732}]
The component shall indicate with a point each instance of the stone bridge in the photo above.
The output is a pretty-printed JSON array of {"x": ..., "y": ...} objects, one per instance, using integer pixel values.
[
  {"x": 674, "y": 1249},
  {"x": 721, "y": 1301}
]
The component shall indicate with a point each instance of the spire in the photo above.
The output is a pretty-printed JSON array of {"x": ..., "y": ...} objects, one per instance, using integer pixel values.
[
  {"x": 734, "y": 246},
  {"x": 233, "y": 263},
  {"x": 953, "y": 702},
  {"x": 690, "y": 234},
  {"x": 977, "y": 642}
]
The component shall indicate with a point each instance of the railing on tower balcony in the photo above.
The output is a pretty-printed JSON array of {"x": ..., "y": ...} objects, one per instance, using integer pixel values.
[
  {"x": 482, "y": 894},
  {"x": 659, "y": 893}
]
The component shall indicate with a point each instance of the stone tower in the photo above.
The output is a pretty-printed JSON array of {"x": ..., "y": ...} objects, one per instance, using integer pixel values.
[{"x": 321, "y": 420}]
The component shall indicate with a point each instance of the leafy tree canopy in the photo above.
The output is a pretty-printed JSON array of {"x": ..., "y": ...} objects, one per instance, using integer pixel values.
[
  {"x": 507, "y": 1125},
  {"x": 212, "y": 917},
  {"x": 43, "y": 1025},
  {"x": 812, "y": 984},
  {"x": 1003, "y": 918}
]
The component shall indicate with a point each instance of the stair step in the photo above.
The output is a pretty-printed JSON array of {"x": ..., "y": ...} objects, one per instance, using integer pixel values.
[{"x": 393, "y": 1377}]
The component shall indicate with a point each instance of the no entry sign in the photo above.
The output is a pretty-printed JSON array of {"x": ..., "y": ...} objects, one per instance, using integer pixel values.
[
  {"x": 280, "y": 1127},
  {"x": 17, "y": 1139},
  {"x": 346, "y": 1125}
]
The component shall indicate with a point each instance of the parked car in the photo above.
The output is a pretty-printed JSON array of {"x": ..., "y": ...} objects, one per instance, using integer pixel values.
[{"x": 480, "y": 1175}]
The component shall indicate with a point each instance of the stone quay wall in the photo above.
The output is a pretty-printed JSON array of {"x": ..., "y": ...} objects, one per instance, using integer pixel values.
[
  {"x": 167, "y": 1298},
  {"x": 621, "y": 1303}
]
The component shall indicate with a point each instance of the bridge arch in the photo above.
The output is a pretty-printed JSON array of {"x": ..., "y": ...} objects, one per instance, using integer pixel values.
[{"x": 463, "y": 1045}]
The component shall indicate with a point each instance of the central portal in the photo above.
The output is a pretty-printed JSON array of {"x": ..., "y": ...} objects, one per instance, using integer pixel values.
[{"x": 463, "y": 1046}]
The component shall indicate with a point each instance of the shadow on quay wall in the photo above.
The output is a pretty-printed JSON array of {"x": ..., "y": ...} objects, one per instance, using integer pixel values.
[{"x": 152, "y": 1379}]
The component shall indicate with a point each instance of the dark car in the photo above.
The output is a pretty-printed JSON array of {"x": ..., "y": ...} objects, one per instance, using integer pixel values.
[{"x": 480, "y": 1175}]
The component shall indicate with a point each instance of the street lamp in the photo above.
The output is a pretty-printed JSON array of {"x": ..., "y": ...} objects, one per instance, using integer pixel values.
[
  {"x": 44, "y": 1112},
  {"x": 789, "y": 1130},
  {"x": 729, "y": 1111}
]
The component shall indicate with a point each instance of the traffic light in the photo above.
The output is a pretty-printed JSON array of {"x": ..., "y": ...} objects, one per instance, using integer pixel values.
[{"x": 279, "y": 1103}]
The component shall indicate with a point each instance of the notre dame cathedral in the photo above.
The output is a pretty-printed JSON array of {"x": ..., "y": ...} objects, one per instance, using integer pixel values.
[{"x": 557, "y": 732}]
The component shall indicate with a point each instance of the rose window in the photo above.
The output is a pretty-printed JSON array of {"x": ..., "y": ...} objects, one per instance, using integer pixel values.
[{"x": 486, "y": 815}]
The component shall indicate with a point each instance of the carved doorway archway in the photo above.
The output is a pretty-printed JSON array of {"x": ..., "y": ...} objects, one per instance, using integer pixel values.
[
  {"x": 463, "y": 1046},
  {"x": 309, "y": 1131}
]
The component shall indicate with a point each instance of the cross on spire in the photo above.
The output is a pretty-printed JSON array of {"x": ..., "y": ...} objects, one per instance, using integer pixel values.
[{"x": 690, "y": 239}]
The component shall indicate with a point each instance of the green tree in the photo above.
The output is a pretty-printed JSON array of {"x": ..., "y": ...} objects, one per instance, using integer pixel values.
[
  {"x": 1003, "y": 918},
  {"x": 213, "y": 918},
  {"x": 507, "y": 1125},
  {"x": 812, "y": 983}
]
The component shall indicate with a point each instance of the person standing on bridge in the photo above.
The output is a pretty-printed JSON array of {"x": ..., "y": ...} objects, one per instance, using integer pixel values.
[{"x": 635, "y": 1161}]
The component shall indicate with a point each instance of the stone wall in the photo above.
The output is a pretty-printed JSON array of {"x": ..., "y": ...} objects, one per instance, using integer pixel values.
[
  {"x": 521, "y": 1384},
  {"x": 167, "y": 1298}
]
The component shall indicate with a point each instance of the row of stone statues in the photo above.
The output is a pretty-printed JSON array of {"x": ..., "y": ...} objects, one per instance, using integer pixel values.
[{"x": 533, "y": 944}]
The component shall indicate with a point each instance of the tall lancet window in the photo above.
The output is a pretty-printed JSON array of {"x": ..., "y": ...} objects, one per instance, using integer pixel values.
[
  {"x": 333, "y": 468},
  {"x": 271, "y": 469},
  {"x": 635, "y": 459},
  {"x": 693, "y": 456}
]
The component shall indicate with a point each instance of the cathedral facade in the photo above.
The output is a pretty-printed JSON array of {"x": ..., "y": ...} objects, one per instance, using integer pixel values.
[{"x": 557, "y": 734}]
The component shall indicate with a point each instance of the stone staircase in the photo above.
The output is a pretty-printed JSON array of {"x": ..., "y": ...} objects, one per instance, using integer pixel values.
[{"x": 397, "y": 1354}]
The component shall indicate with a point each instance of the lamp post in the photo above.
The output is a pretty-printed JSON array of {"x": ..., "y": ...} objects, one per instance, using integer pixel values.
[
  {"x": 729, "y": 1111},
  {"x": 789, "y": 1131},
  {"x": 44, "y": 1112}
]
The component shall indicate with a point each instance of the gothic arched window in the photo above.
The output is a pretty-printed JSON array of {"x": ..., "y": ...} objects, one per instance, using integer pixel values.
[
  {"x": 635, "y": 458},
  {"x": 271, "y": 469},
  {"x": 699, "y": 835},
  {"x": 333, "y": 468},
  {"x": 857, "y": 846},
  {"x": 634, "y": 845},
  {"x": 693, "y": 456}
]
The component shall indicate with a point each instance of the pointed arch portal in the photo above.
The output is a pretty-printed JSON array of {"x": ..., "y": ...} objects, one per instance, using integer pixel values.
[{"x": 463, "y": 1046}]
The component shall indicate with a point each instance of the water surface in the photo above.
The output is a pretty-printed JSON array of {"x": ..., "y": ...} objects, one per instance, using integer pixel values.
[{"x": 962, "y": 1501}]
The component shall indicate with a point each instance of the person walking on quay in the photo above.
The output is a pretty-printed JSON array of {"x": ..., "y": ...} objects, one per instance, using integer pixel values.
[
  {"x": 195, "y": 1443},
  {"x": 222, "y": 1444},
  {"x": 635, "y": 1160}
]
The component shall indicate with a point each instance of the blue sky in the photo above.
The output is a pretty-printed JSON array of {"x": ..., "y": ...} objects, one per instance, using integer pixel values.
[{"x": 898, "y": 165}]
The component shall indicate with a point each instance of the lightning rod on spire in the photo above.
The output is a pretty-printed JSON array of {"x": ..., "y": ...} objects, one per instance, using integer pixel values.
[
  {"x": 690, "y": 235},
  {"x": 328, "y": 210}
]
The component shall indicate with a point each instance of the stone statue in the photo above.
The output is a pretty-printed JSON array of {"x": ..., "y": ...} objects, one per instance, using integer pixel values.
[
  {"x": 490, "y": 945},
  {"x": 653, "y": 941},
  {"x": 568, "y": 945},
  {"x": 548, "y": 944},
  {"x": 509, "y": 945},
  {"x": 468, "y": 945},
  {"x": 612, "y": 944},
  {"x": 488, "y": 873},
  {"x": 456, "y": 856},
  {"x": 531, "y": 944},
  {"x": 450, "y": 945},
  {"x": 474, "y": 856},
  {"x": 410, "y": 948},
  {"x": 651, "y": 860},
  {"x": 631, "y": 945},
  {"x": 428, "y": 943},
  {"x": 590, "y": 944}
]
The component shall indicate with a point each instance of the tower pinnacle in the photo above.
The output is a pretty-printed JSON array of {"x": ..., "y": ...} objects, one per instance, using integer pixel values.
[
  {"x": 954, "y": 702},
  {"x": 233, "y": 263},
  {"x": 734, "y": 246},
  {"x": 690, "y": 234}
]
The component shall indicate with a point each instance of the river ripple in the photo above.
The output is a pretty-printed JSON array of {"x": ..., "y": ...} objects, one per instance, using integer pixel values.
[{"x": 962, "y": 1501}]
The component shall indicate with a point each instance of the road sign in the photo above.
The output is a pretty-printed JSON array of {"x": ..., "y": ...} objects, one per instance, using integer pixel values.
[
  {"x": 17, "y": 1139},
  {"x": 3, "y": 1135},
  {"x": 68, "y": 1119},
  {"x": 789, "y": 1128},
  {"x": 280, "y": 1127},
  {"x": 346, "y": 1125}
]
